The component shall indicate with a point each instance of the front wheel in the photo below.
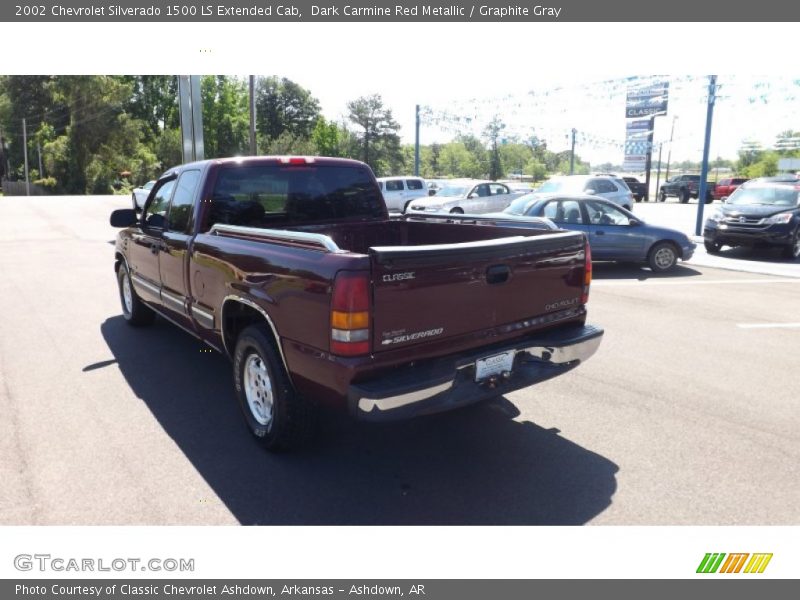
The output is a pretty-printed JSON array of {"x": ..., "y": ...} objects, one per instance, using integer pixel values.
[
  {"x": 712, "y": 247},
  {"x": 684, "y": 196},
  {"x": 134, "y": 311},
  {"x": 662, "y": 257},
  {"x": 275, "y": 414},
  {"x": 662, "y": 197},
  {"x": 457, "y": 211},
  {"x": 792, "y": 251}
]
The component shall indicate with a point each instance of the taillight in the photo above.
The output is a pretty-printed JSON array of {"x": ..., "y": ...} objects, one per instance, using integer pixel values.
[
  {"x": 350, "y": 314},
  {"x": 587, "y": 274}
]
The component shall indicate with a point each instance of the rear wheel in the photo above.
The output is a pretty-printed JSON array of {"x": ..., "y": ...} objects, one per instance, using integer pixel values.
[
  {"x": 712, "y": 247},
  {"x": 276, "y": 415},
  {"x": 683, "y": 195},
  {"x": 792, "y": 251},
  {"x": 662, "y": 257},
  {"x": 134, "y": 311}
]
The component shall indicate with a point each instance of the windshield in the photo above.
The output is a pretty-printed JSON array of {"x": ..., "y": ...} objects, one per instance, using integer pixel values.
[
  {"x": 149, "y": 185},
  {"x": 773, "y": 195},
  {"x": 452, "y": 191},
  {"x": 518, "y": 206}
]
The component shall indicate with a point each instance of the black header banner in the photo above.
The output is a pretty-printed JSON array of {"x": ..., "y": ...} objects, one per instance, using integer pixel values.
[{"x": 395, "y": 11}]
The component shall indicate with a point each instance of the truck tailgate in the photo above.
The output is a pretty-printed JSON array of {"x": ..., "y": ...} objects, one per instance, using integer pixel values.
[{"x": 426, "y": 293}]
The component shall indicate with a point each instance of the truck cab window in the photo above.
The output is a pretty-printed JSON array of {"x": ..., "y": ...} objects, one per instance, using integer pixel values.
[
  {"x": 180, "y": 210},
  {"x": 155, "y": 213}
]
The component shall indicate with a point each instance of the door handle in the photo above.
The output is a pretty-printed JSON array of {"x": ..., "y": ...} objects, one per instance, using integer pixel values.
[{"x": 155, "y": 248}]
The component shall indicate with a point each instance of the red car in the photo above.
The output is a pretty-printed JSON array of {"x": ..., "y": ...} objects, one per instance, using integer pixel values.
[{"x": 725, "y": 187}]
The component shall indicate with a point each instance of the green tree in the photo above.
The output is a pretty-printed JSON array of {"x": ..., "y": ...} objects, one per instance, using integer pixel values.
[
  {"x": 226, "y": 121},
  {"x": 379, "y": 141},
  {"x": 326, "y": 137},
  {"x": 492, "y": 132},
  {"x": 284, "y": 106}
]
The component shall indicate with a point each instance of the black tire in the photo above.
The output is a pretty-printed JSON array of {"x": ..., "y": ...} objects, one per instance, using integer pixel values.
[
  {"x": 457, "y": 211},
  {"x": 712, "y": 247},
  {"x": 662, "y": 257},
  {"x": 289, "y": 421},
  {"x": 684, "y": 195},
  {"x": 133, "y": 199},
  {"x": 135, "y": 312},
  {"x": 638, "y": 198},
  {"x": 792, "y": 251},
  {"x": 405, "y": 208},
  {"x": 662, "y": 197}
]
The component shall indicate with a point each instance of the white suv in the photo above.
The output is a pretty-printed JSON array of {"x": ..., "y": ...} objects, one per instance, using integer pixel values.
[{"x": 399, "y": 191}]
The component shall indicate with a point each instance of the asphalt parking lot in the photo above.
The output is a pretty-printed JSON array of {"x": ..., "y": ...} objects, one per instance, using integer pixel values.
[{"x": 688, "y": 414}]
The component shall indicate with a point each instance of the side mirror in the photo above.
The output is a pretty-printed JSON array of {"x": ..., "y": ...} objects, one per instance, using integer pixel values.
[
  {"x": 634, "y": 222},
  {"x": 724, "y": 199},
  {"x": 123, "y": 217},
  {"x": 589, "y": 191},
  {"x": 473, "y": 195}
]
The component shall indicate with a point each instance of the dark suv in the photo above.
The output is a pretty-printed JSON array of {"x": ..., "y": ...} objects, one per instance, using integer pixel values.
[{"x": 758, "y": 213}]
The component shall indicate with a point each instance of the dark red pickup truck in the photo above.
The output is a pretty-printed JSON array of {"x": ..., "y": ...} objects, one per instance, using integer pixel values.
[{"x": 292, "y": 267}]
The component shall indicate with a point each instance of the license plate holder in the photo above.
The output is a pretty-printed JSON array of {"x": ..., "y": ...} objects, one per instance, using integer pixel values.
[{"x": 494, "y": 365}]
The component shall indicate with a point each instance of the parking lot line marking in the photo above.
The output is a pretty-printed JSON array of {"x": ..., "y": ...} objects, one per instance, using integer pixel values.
[
  {"x": 608, "y": 283},
  {"x": 768, "y": 325}
]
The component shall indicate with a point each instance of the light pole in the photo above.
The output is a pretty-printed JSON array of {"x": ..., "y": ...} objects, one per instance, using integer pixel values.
[
  {"x": 572, "y": 153},
  {"x": 669, "y": 154}
]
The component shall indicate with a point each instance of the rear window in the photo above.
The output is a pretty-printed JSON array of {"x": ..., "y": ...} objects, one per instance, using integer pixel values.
[
  {"x": 414, "y": 184},
  {"x": 266, "y": 196},
  {"x": 394, "y": 185}
]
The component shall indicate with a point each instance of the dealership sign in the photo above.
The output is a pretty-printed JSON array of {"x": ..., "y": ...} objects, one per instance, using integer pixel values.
[
  {"x": 647, "y": 101},
  {"x": 637, "y": 144}
]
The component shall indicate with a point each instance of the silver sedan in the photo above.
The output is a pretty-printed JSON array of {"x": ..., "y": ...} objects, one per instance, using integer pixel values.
[{"x": 459, "y": 197}]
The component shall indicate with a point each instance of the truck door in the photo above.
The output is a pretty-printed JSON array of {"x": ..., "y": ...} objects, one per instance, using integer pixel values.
[
  {"x": 146, "y": 244},
  {"x": 175, "y": 295}
]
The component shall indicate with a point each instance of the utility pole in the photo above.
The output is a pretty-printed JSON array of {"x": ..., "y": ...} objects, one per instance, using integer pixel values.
[
  {"x": 25, "y": 153},
  {"x": 572, "y": 153},
  {"x": 416, "y": 145},
  {"x": 669, "y": 152},
  {"x": 39, "y": 150},
  {"x": 701, "y": 197},
  {"x": 658, "y": 172},
  {"x": 253, "y": 144},
  {"x": 648, "y": 165},
  {"x": 4, "y": 170}
]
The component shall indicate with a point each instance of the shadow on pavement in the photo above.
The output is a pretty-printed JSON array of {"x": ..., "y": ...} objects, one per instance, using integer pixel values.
[
  {"x": 611, "y": 270},
  {"x": 474, "y": 466}
]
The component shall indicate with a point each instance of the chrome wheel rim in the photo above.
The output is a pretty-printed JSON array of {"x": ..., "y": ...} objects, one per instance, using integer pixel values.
[
  {"x": 258, "y": 389},
  {"x": 127, "y": 294},
  {"x": 664, "y": 258}
]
